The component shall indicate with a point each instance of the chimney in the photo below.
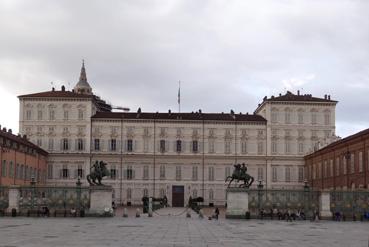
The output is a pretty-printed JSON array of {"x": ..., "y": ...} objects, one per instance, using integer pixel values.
[
  {"x": 280, "y": 94},
  {"x": 169, "y": 111},
  {"x": 4, "y": 129},
  {"x": 53, "y": 89},
  {"x": 329, "y": 97},
  {"x": 25, "y": 137},
  {"x": 63, "y": 88},
  {"x": 325, "y": 96},
  {"x": 298, "y": 92},
  {"x": 10, "y": 131},
  {"x": 200, "y": 111}
]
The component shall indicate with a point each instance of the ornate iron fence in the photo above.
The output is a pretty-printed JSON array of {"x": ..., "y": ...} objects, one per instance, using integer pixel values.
[
  {"x": 350, "y": 203},
  {"x": 4, "y": 198},
  {"x": 36, "y": 197},
  {"x": 294, "y": 200}
]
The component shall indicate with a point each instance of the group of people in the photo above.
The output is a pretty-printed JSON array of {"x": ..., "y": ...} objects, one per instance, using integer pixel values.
[{"x": 287, "y": 215}]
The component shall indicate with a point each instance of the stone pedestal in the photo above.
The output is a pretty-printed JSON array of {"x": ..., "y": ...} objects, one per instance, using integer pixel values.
[
  {"x": 101, "y": 198},
  {"x": 325, "y": 205},
  {"x": 237, "y": 203},
  {"x": 13, "y": 198}
]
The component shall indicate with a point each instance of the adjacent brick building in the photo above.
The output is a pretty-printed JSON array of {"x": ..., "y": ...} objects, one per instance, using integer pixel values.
[
  {"x": 21, "y": 160},
  {"x": 343, "y": 164}
]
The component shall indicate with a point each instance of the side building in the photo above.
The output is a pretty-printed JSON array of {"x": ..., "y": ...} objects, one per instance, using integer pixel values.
[
  {"x": 343, "y": 164},
  {"x": 21, "y": 160},
  {"x": 174, "y": 154}
]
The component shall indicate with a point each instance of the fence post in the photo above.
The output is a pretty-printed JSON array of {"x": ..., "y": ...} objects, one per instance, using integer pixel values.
[
  {"x": 325, "y": 205},
  {"x": 14, "y": 194}
]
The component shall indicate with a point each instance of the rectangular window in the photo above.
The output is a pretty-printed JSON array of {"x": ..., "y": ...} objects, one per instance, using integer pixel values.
[
  {"x": 66, "y": 115},
  {"x": 179, "y": 146},
  {"x": 260, "y": 173},
  {"x": 211, "y": 146},
  {"x": 65, "y": 144},
  {"x": 195, "y": 147},
  {"x": 287, "y": 147},
  {"x": 162, "y": 146},
  {"x": 39, "y": 115},
  {"x": 80, "y": 114},
  {"x": 344, "y": 165},
  {"x": 260, "y": 148},
  {"x": 51, "y": 115},
  {"x": 51, "y": 144},
  {"x": 288, "y": 117},
  {"x": 178, "y": 173},
  {"x": 194, "y": 173},
  {"x": 300, "y": 118},
  {"x": 146, "y": 145},
  {"x": 130, "y": 173},
  {"x": 28, "y": 114},
  {"x": 274, "y": 147},
  {"x": 113, "y": 144},
  {"x": 65, "y": 172},
  {"x": 162, "y": 172},
  {"x": 301, "y": 147},
  {"x": 11, "y": 169},
  {"x": 274, "y": 117},
  {"x": 227, "y": 147},
  {"x": 274, "y": 174},
  {"x": 211, "y": 173},
  {"x": 227, "y": 172},
  {"x": 352, "y": 163},
  {"x": 331, "y": 168},
  {"x": 97, "y": 144},
  {"x": 80, "y": 145},
  {"x": 313, "y": 118},
  {"x": 301, "y": 174},
  {"x": 17, "y": 175},
  {"x": 244, "y": 147},
  {"x": 337, "y": 167},
  {"x": 80, "y": 172},
  {"x": 39, "y": 142},
  {"x": 146, "y": 172},
  {"x": 361, "y": 166},
  {"x": 129, "y": 145},
  {"x": 113, "y": 172},
  {"x": 288, "y": 174},
  {"x": 327, "y": 119}
]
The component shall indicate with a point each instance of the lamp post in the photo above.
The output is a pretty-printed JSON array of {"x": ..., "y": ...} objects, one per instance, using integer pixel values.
[
  {"x": 79, "y": 183},
  {"x": 260, "y": 189},
  {"x": 33, "y": 183}
]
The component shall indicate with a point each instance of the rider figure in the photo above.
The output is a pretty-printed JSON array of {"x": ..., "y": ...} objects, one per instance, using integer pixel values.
[
  {"x": 243, "y": 170},
  {"x": 97, "y": 167}
]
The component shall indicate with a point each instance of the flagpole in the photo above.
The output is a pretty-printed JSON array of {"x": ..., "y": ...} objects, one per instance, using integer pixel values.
[{"x": 179, "y": 96}]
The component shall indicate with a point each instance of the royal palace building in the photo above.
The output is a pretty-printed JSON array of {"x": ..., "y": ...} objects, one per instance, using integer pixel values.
[{"x": 175, "y": 154}]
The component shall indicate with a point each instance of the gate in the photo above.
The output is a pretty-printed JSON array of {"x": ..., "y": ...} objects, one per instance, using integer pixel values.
[
  {"x": 4, "y": 199},
  {"x": 351, "y": 204}
]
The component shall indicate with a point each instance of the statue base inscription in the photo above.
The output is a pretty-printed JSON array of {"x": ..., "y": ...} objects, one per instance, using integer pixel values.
[
  {"x": 237, "y": 203},
  {"x": 101, "y": 198}
]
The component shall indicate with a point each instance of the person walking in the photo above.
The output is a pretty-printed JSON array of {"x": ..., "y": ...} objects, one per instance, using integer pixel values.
[{"x": 216, "y": 213}]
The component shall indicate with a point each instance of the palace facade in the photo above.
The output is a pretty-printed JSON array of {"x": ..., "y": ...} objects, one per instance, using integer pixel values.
[{"x": 175, "y": 154}]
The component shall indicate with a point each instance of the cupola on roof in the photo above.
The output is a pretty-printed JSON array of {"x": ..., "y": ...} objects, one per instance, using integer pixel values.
[{"x": 82, "y": 85}]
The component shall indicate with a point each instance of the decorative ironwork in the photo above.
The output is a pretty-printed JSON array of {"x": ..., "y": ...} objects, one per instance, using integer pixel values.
[
  {"x": 350, "y": 203},
  {"x": 240, "y": 174},
  {"x": 4, "y": 198}
]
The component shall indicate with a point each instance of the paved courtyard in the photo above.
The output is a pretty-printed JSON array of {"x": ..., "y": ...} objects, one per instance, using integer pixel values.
[{"x": 171, "y": 230}]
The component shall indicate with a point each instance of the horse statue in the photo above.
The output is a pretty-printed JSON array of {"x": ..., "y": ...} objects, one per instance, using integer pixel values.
[
  {"x": 240, "y": 174},
  {"x": 97, "y": 173}
]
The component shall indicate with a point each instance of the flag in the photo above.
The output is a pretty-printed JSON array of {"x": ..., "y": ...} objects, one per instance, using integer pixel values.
[{"x": 179, "y": 93}]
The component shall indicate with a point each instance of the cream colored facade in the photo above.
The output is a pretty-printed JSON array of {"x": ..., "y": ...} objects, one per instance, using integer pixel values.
[{"x": 142, "y": 148}]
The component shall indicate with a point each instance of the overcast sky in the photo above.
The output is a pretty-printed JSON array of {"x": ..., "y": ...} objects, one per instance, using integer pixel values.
[{"x": 227, "y": 54}]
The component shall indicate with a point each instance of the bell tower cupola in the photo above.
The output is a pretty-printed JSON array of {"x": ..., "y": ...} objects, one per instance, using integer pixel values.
[{"x": 82, "y": 85}]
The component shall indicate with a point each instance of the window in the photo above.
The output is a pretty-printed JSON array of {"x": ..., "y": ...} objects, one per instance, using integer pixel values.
[
  {"x": 65, "y": 143},
  {"x": 162, "y": 193},
  {"x": 145, "y": 193},
  {"x": 211, "y": 146},
  {"x": 244, "y": 147},
  {"x": 65, "y": 172},
  {"x": 338, "y": 166},
  {"x": 162, "y": 146},
  {"x": 331, "y": 168},
  {"x": 80, "y": 145},
  {"x": 227, "y": 172},
  {"x": 344, "y": 165},
  {"x": 51, "y": 144},
  {"x": 327, "y": 119},
  {"x": 260, "y": 173},
  {"x": 39, "y": 115},
  {"x": 361, "y": 166},
  {"x": 97, "y": 144},
  {"x": 28, "y": 114},
  {"x": 113, "y": 145},
  {"x": 178, "y": 173},
  {"x": 194, "y": 193},
  {"x": 39, "y": 142},
  {"x": 162, "y": 172},
  {"x": 17, "y": 172},
  {"x": 80, "y": 114},
  {"x": 194, "y": 173},
  {"x": 260, "y": 148},
  {"x": 274, "y": 147},
  {"x": 288, "y": 117},
  {"x": 66, "y": 115},
  {"x": 211, "y": 173},
  {"x": 313, "y": 118},
  {"x": 287, "y": 146},
  {"x": 288, "y": 174},
  {"x": 301, "y": 174},
  {"x": 211, "y": 195},
  {"x": 300, "y": 117},
  {"x": 80, "y": 172},
  {"x": 146, "y": 172},
  {"x": 129, "y": 173},
  {"x": 51, "y": 115},
  {"x": 274, "y": 174},
  {"x": 274, "y": 117},
  {"x": 227, "y": 147},
  {"x": 129, "y": 145},
  {"x": 22, "y": 176},
  {"x": 11, "y": 169},
  {"x": 146, "y": 145},
  {"x": 129, "y": 194},
  {"x": 195, "y": 147},
  {"x": 179, "y": 146},
  {"x": 301, "y": 147},
  {"x": 113, "y": 172}
]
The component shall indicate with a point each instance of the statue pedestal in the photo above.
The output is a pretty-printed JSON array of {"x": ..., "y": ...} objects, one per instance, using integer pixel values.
[
  {"x": 237, "y": 203},
  {"x": 101, "y": 198},
  {"x": 325, "y": 205}
]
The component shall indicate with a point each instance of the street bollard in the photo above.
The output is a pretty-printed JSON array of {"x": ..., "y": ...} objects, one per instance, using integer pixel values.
[{"x": 125, "y": 213}]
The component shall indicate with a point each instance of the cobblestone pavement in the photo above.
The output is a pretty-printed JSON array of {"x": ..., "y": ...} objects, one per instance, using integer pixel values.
[{"x": 170, "y": 230}]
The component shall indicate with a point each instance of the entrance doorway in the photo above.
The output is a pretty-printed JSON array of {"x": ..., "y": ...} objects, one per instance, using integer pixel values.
[{"x": 178, "y": 196}]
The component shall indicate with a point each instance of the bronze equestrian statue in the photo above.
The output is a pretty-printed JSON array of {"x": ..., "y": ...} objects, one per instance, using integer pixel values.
[
  {"x": 97, "y": 173},
  {"x": 240, "y": 174}
]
